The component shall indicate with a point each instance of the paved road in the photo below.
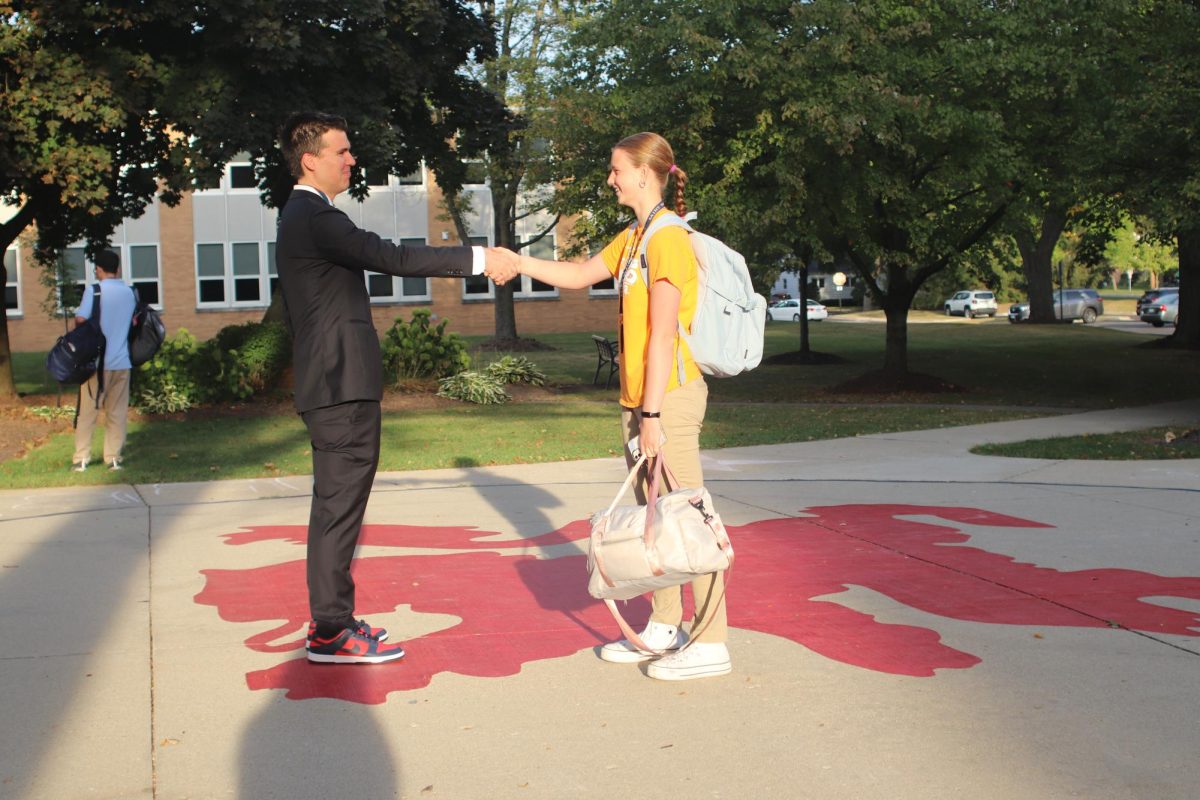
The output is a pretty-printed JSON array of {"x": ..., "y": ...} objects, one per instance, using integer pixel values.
[
  {"x": 907, "y": 621},
  {"x": 1133, "y": 325}
]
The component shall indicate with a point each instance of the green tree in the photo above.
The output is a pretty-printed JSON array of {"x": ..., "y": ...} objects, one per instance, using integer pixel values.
[
  {"x": 1060, "y": 105},
  {"x": 105, "y": 104},
  {"x": 1157, "y": 125},
  {"x": 82, "y": 145},
  {"x": 528, "y": 33},
  {"x": 873, "y": 132}
]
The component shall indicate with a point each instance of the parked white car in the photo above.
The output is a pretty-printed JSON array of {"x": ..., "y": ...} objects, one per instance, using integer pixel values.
[
  {"x": 976, "y": 303},
  {"x": 789, "y": 311}
]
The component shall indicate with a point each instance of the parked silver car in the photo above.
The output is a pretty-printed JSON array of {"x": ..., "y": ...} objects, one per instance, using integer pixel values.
[
  {"x": 1084, "y": 304},
  {"x": 1163, "y": 310},
  {"x": 970, "y": 304},
  {"x": 1151, "y": 295}
]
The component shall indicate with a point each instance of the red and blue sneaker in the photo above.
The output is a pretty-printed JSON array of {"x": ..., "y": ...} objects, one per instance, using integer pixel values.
[
  {"x": 378, "y": 634},
  {"x": 351, "y": 646}
]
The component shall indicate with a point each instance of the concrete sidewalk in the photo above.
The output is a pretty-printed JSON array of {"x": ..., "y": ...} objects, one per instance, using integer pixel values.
[{"x": 908, "y": 621}]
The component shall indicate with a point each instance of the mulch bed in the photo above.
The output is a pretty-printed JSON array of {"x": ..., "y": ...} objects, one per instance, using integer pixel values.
[{"x": 21, "y": 431}]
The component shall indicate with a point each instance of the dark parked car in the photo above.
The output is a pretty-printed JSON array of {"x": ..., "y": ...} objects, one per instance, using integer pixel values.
[
  {"x": 1084, "y": 304},
  {"x": 1162, "y": 311},
  {"x": 1153, "y": 295}
]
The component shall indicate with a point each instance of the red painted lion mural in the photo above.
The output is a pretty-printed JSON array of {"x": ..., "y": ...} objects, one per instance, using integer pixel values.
[{"x": 517, "y": 607}]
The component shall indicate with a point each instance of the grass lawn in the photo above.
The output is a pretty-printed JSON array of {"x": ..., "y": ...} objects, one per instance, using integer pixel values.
[
  {"x": 1005, "y": 370},
  {"x": 1152, "y": 443}
]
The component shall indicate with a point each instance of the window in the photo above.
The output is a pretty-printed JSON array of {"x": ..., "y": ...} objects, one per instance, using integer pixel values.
[
  {"x": 241, "y": 176},
  {"x": 375, "y": 176},
  {"x": 476, "y": 172},
  {"x": 142, "y": 273},
  {"x": 393, "y": 289},
  {"x": 210, "y": 274},
  {"x": 237, "y": 274},
  {"x": 605, "y": 288},
  {"x": 74, "y": 274},
  {"x": 543, "y": 248},
  {"x": 272, "y": 270},
  {"x": 478, "y": 287},
  {"x": 247, "y": 273},
  {"x": 12, "y": 284},
  {"x": 414, "y": 178}
]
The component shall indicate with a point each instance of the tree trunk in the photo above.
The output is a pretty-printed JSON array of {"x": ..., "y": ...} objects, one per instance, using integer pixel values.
[
  {"x": 274, "y": 312},
  {"x": 505, "y": 311},
  {"x": 1187, "y": 328},
  {"x": 506, "y": 236},
  {"x": 895, "y": 358},
  {"x": 803, "y": 272},
  {"x": 9, "y": 232},
  {"x": 896, "y": 304},
  {"x": 8, "y": 385},
  {"x": 1036, "y": 260}
]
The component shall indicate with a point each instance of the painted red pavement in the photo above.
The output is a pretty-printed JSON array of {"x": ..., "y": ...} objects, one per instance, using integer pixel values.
[{"x": 517, "y": 608}]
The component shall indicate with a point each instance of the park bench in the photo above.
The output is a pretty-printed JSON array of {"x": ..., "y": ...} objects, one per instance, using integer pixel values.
[{"x": 606, "y": 353}]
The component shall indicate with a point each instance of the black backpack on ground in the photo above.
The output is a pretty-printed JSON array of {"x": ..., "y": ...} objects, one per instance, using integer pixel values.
[
  {"x": 78, "y": 354},
  {"x": 146, "y": 334}
]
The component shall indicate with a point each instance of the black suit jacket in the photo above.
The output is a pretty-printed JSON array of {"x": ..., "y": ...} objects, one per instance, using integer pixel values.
[{"x": 321, "y": 256}]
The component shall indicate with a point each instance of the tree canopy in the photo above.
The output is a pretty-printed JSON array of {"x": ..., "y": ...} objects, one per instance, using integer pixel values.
[{"x": 106, "y": 104}]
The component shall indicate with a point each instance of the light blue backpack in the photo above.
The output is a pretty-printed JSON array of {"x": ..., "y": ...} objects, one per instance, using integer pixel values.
[{"x": 726, "y": 336}]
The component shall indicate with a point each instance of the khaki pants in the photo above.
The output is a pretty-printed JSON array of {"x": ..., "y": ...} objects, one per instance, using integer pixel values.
[
  {"x": 682, "y": 418},
  {"x": 113, "y": 411}
]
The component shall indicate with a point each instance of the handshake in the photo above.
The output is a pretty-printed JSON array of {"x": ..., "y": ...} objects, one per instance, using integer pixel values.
[{"x": 501, "y": 264}]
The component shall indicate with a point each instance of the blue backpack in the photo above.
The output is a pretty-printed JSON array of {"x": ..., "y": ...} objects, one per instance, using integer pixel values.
[
  {"x": 79, "y": 353},
  {"x": 727, "y": 331}
]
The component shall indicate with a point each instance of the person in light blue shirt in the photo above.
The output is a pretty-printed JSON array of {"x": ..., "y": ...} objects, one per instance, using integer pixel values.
[{"x": 117, "y": 307}]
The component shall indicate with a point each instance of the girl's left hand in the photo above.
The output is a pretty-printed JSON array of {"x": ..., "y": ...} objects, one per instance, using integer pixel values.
[{"x": 650, "y": 436}]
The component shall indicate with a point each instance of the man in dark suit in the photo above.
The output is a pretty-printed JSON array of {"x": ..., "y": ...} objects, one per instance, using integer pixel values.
[{"x": 321, "y": 256}]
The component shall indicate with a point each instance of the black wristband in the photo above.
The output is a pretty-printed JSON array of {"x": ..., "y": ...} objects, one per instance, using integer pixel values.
[{"x": 651, "y": 414}]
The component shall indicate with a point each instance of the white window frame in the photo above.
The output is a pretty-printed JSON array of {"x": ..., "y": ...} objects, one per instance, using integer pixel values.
[
  {"x": 525, "y": 290},
  {"x": 399, "y": 184},
  {"x": 264, "y": 298},
  {"x": 88, "y": 274},
  {"x": 127, "y": 268},
  {"x": 224, "y": 278},
  {"x": 603, "y": 292},
  {"x": 490, "y": 294},
  {"x": 397, "y": 296},
  {"x": 265, "y": 275},
  {"x": 227, "y": 178},
  {"x": 14, "y": 280}
]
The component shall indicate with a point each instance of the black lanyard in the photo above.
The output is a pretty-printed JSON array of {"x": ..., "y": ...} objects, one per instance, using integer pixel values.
[{"x": 637, "y": 243}]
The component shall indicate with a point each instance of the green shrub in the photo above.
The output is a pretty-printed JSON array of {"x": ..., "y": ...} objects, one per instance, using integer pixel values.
[
  {"x": 418, "y": 350},
  {"x": 175, "y": 370},
  {"x": 238, "y": 362},
  {"x": 257, "y": 352},
  {"x": 515, "y": 369},
  {"x": 167, "y": 399},
  {"x": 474, "y": 387}
]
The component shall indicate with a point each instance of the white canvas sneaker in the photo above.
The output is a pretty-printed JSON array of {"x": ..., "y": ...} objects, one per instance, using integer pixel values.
[
  {"x": 701, "y": 660},
  {"x": 656, "y": 636}
]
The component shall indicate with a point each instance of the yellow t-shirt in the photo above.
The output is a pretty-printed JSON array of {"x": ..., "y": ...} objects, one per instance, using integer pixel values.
[{"x": 671, "y": 259}]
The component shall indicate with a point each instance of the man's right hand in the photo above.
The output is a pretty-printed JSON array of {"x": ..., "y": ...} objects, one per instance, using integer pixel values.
[{"x": 500, "y": 264}]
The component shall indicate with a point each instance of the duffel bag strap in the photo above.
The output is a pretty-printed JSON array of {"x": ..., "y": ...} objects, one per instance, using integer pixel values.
[{"x": 633, "y": 638}]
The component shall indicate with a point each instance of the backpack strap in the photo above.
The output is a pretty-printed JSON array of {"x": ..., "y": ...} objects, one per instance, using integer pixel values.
[
  {"x": 103, "y": 342},
  {"x": 669, "y": 219}
]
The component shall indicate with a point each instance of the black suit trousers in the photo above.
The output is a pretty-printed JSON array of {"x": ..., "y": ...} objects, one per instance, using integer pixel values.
[{"x": 345, "y": 453}]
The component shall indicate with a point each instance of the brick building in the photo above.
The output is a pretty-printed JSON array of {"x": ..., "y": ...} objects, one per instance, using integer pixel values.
[{"x": 210, "y": 262}]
